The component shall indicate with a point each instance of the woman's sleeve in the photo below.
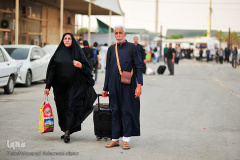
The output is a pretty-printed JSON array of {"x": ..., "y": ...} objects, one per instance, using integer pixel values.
[
  {"x": 86, "y": 69},
  {"x": 50, "y": 73},
  {"x": 105, "y": 88},
  {"x": 138, "y": 64}
]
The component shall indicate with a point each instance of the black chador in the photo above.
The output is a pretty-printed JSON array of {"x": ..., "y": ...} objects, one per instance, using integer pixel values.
[{"x": 72, "y": 86}]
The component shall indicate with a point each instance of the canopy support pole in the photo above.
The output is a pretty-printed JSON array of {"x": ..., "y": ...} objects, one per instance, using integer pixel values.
[
  {"x": 89, "y": 22},
  {"x": 16, "y": 21},
  {"x": 109, "y": 28},
  {"x": 61, "y": 19}
]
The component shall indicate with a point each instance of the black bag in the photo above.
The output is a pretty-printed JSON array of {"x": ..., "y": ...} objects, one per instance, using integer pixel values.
[
  {"x": 102, "y": 119},
  {"x": 161, "y": 69}
]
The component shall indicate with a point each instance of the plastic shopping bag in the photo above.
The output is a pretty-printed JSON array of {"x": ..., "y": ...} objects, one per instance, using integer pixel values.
[{"x": 46, "y": 119}]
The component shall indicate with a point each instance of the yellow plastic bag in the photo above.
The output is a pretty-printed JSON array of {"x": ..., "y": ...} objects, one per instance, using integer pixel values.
[{"x": 46, "y": 119}]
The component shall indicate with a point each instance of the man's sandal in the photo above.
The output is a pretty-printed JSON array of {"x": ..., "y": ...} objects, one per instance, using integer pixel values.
[
  {"x": 112, "y": 144},
  {"x": 125, "y": 145}
]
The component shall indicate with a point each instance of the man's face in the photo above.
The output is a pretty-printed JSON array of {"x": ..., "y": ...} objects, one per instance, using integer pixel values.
[
  {"x": 119, "y": 35},
  {"x": 135, "y": 40},
  {"x": 170, "y": 45}
]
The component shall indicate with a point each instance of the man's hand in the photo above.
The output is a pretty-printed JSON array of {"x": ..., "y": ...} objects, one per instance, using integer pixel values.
[
  {"x": 138, "y": 90},
  {"x": 46, "y": 92},
  {"x": 77, "y": 64},
  {"x": 172, "y": 60},
  {"x": 145, "y": 61},
  {"x": 99, "y": 65},
  {"x": 104, "y": 93}
]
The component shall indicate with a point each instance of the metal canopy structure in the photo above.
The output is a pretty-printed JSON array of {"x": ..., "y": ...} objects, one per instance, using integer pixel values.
[
  {"x": 84, "y": 7},
  {"x": 98, "y": 7}
]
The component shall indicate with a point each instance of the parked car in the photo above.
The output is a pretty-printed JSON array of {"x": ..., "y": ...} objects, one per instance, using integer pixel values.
[
  {"x": 50, "y": 49},
  {"x": 32, "y": 62},
  {"x": 8, "y": 71}
]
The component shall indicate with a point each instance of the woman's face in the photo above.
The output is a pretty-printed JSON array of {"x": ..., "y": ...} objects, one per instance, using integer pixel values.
[{"x": 67, "y": 40}]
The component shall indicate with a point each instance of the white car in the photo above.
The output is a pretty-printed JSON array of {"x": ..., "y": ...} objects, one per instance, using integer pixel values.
[
  {"x": 50, "y": 49},
  {"x": 32, "y": 62},
  {"x": 8, "y": 71}
]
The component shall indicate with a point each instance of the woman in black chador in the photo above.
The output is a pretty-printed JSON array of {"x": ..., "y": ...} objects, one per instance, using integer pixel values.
[{"x": 69, "y": 73}]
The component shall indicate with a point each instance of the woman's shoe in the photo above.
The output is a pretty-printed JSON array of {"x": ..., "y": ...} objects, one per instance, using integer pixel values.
[{"x": 66, "y": 139}]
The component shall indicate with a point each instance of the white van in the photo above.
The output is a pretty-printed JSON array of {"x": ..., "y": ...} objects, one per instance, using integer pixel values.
[
  {"x": 203, "y": 42},
  {"x": 8, "y": 71}
]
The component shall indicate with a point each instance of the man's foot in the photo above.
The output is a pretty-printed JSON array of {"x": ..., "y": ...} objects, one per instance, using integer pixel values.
[
  {"x": 62, "y": 137},
  {"x": 125, "y": 145},
  {"x": 112, "y": 144},
  {"x": 170, "y": 74}
]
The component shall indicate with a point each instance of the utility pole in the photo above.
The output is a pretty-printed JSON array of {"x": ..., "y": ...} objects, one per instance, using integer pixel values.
[
  {"x": 229, "y": 39},
  {"x": 209, "y": 20},
  {"x": 156, "y": 17},
  {"x": 161, "y": 41}
]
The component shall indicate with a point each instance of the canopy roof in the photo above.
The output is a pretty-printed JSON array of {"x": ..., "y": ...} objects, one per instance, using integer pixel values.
[{"x": 99, "y": 7}]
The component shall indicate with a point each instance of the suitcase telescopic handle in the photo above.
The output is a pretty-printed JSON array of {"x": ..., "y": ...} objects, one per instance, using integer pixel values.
[{"x": 99, "y": 95}]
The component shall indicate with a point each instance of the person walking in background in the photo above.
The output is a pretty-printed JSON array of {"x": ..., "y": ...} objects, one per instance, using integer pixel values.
[
  {"x": 200, "y": 54},
  {"x": 124, "y": 98},
  {"x": 165, "y": 50},
  {"x": 156, "y": 55},
  {"x": 170, "y": 59},
  {"x": 221, "y": 53},
  {"x": 80, "y": 42},
  {"x": 88, "y": 53},
  {"x": 69, "y": 73},
  {"x": 103, "y": 56},
  {"x": 142, "y": 52},
  {"x": 226, "y": 51},
  {"x": 208, "y": 54},
  {"x": 178, "y": 52},
  {"x": 96, "y": 62},
  {"x": 234, "y": 57},
  {"x": 217, "y": 55}
]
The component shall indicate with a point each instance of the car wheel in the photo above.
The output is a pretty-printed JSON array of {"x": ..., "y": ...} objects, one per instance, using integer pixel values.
[
  {"x": 28, "y": 79},
  {"x": 10, "y": 86}
]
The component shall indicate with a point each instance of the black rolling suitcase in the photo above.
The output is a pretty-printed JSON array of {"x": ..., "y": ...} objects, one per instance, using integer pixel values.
[
  {"x": 102, "y": 119},
  {"x": 161, "y": 69}
]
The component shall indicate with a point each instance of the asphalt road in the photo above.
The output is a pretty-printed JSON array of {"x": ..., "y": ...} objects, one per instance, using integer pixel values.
[{"x": 193, "y": 115}]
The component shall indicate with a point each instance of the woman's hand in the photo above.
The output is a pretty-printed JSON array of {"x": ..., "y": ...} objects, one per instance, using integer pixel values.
[
  {"x": 77, "y": 64},
  {"x": 46, "y": 92},
  {"x": 138, "y": 90}
]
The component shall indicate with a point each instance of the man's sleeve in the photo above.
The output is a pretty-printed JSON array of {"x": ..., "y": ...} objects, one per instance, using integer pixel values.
[
  {"x": 105, "y": 88},
  {"x": 138, "y": 64}
]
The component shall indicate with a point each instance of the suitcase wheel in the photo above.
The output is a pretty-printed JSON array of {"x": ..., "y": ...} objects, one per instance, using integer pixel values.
[
  {"x": 105, "y": 138},
  {"x": 99, "y": 138}
]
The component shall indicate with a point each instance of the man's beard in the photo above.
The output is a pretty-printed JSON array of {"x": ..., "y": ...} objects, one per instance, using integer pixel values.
[{"x": 121, "y": 40}]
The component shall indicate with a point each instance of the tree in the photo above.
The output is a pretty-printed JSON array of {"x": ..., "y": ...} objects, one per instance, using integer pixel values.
[
  {"x": 172, "y": 36},
  {"x": 235, "y": 39},
  {"x": 220, "y": 36},
  {"x": 84, "y": 29},
  {"x": 204, "y": 34}
]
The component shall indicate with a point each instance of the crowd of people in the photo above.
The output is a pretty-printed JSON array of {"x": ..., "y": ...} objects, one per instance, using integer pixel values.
[{"x": 227, "y": 55}]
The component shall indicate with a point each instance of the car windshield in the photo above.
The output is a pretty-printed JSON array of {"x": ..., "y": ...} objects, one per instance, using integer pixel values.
[{"x": 18, "y": 53}]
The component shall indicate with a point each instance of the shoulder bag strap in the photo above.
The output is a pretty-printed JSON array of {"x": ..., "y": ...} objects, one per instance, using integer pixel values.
[{"x": 118, "y": 63}]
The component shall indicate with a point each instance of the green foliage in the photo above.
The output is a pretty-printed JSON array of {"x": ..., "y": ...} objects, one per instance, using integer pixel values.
[
  {"x": 220, "y": 36},
  {"x": 84, "y": 29},
  {"x": 178, "y": 36},
  {"x": 204, "y": 34}
]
